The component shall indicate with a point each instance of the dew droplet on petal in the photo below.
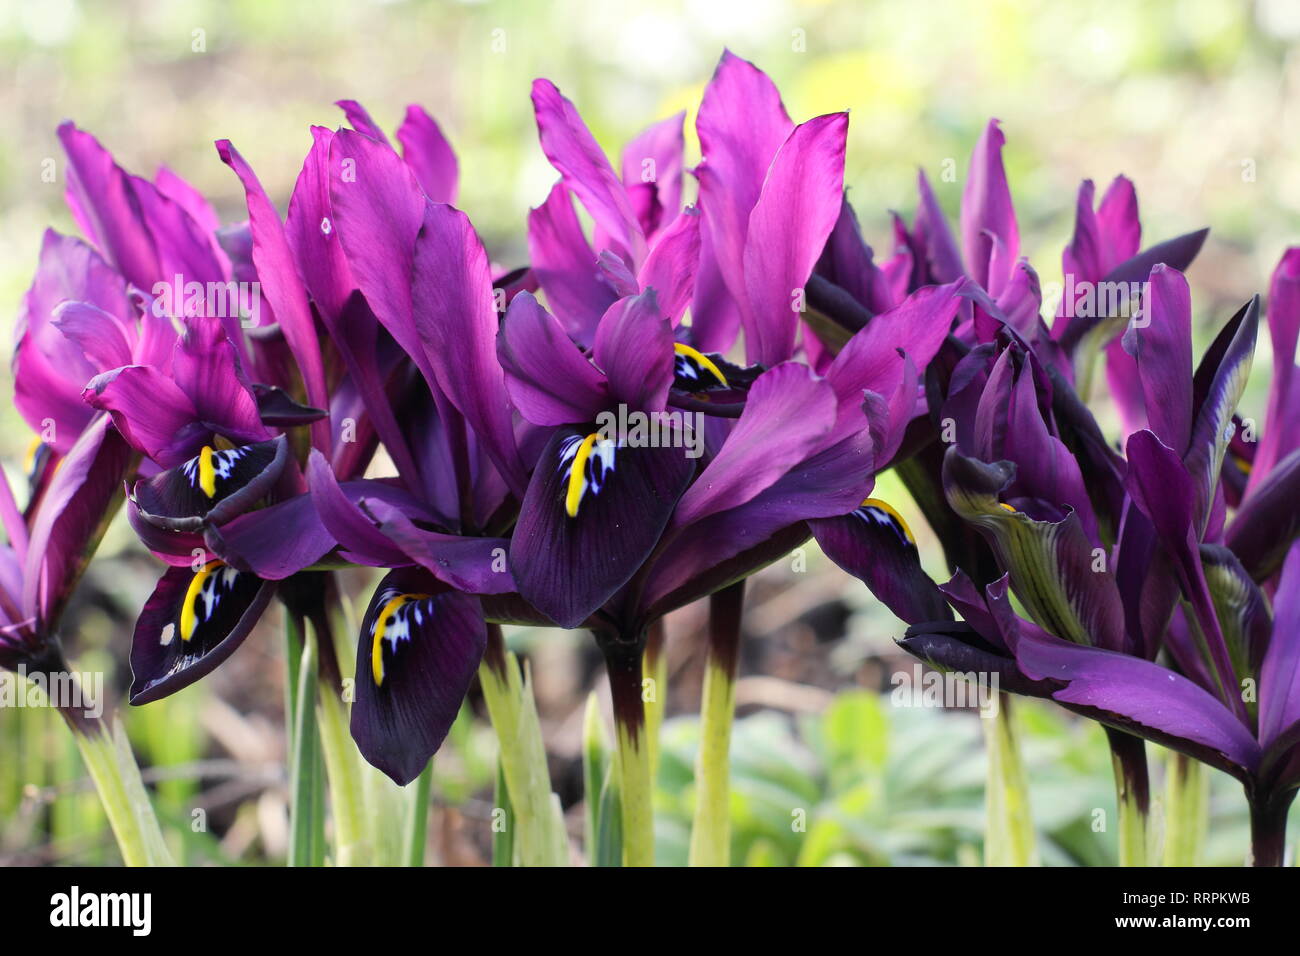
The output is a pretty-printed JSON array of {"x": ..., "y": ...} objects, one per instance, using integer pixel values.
[{"x": 325, "y": 226}]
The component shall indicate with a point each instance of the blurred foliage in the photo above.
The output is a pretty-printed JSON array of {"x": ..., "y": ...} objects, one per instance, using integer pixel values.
[
  {"x": 1195, "y": 100},
  {"x": 869, "y": 784}
]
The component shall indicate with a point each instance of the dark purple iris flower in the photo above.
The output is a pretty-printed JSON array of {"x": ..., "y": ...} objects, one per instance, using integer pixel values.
[{"x": 1144, "y": 617}]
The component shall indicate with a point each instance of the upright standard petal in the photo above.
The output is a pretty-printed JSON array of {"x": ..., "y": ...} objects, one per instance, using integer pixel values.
[
  {"x": 652, "y": 173},
  {"x": 989, "y": 233},
  {"x": 278, "y": 274},
  {"x": 1160, "y": 340},
  {"x": 788, "y": 227},
  {"x": 576, "y": 155},
  {"x": 455, "y": 313},
  {"x": 549, "y": 380},
  {"x": 428, "y": 153},
  {"x": 634, "y": 348}
]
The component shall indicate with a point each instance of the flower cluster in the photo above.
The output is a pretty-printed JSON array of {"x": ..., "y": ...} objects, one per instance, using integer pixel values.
[{"x": 648, "y": 412}]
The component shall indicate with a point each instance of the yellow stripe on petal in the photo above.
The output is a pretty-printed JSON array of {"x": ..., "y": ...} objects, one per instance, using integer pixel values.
[
  {"x": 207, "y": 472},
  {"x": 189, "y": 607},
  {"x": 702, "y": 360},
  {"x": 578, "y": 475},
  {"x": 890, "y": 510},
  {"x": 1003, "y": 504},
  {"x": 386, "y": 615}
]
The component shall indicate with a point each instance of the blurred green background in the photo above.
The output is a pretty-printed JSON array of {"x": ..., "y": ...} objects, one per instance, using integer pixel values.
[{"x": 1195, "y": 100}]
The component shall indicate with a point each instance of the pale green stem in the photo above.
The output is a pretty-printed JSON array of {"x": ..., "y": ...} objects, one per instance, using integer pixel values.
[
  {"x": 635, "y": 791},
  {"x": 113, "y": 768},
  {"x": 1187, "y": 793},
  {"x": 343, "y": 770},
  {"x": 417, "y": 824},
  {"x": 1009, "y": 838},
  {"x": 306, "y": 803},
  {"x": 711, "y": 830},
  {"x": 538, "y": 840}
]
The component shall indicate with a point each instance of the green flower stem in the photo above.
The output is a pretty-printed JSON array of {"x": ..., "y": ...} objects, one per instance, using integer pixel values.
[
  {"x": 1009, "y": 835},
  {"x": 343, "y": 771},
  {"x": 539, "y": 839},
  {"x": 306, "y": 783},
  {"x": 417, "y": 823},
  {"x": 623, "y": 663},
  {"x": 1132, "y": 795},
  {"x": 108, "y": 757},
  {"x": 711, "y": 829},
  {"x": 1187, "y": 791}
]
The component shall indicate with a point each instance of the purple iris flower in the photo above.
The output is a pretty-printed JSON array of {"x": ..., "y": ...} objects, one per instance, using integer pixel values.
[
  {"x": 49, "y": 545},
  {"x": 1121, "y": 561}
]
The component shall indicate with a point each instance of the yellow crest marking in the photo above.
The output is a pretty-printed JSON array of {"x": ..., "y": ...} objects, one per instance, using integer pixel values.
[
  {"x": 207, "y": 472},
  {"x": 578, "y": 475},
  {"x": 189, "y": 614},
  {"x": 381, "y": 628},
  {"x": 1003, "y": 504},
  {"x": 890, "y": 510},
  {"x": 701, "y": 360}
]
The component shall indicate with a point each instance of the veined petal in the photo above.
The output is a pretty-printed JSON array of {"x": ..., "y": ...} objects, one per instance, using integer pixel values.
[
  {"x": 634, "y": 348},
  {"x": 565, "y": 265},
  {"x": 470, "y": 565},
  {"x": 788, "y": 227},
  {"x": 104, "y": 203},
  {"x": 1142, "y": 698},
  {"x": 943, "y": 260},
  {"x": 741, "y": 124},
  {"x": 1051, "y": 563},
  {"x": 670, "y": 268},
  {"x": 278, "y": 274},
  {"x": 652, "y": 173},
  {"x": 272, "y": 542},
  {"x": 1279, "y": 690},
  {"x": 212, "y": 487},
  {"x": 191, "y": 623},
  {"x": 428, "y": 153},
  {"x": 549, "y": 380},
  {"x": 361, "y": 120},
  {"x": 1218, "y": 385},
  {"x": 594, "y": 511},
  {"x": 788, "y": 415},
  {"x": 574, "y": 152},
  {"x": 419, "y": 648},
  {"x": 874, "y": 544},
  {"x": 988, "y": 218},
  {"x": 917, "y": 327},
  {"x": 72, "y": 515},
  {"x": 50, "y": 368},
  {"x": 1268, "y": 521},
  {"x": 1161, "y": 344},
  {"x": 455, "y": 313},
  {"x": 1282, "y": 421},
  {"x": 150, "y": 411},
  {"x": 205, "y": 366}
]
